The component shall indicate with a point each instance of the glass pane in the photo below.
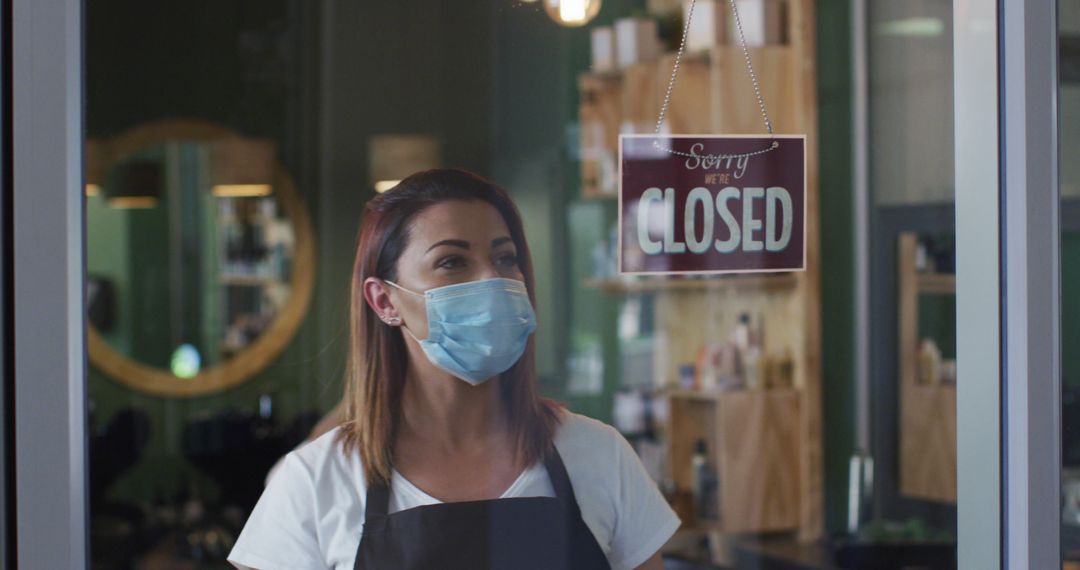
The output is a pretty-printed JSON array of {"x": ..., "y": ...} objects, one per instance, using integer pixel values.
[
  {"x": 1069, "y": 142},
  {"x": 259, "y": 369},
  {"x": 912, "y": 284},
  {"x": 206, "y": 362}
]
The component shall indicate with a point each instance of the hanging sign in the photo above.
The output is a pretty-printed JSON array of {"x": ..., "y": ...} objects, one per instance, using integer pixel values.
[{"x": 711, "y": 204}]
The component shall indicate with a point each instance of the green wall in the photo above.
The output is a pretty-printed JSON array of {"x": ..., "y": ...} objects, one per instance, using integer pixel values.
[{"x": 834, "y": 69}]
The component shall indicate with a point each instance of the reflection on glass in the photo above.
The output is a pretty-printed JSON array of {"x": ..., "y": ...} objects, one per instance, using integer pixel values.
[
  {"x": 927, "y": 353},
  {"x": 1069, "y": 173},
  {"x": 200, "y": 267},
  {"x": 572, "y": 13},
  {"x": 176, "y": 260},
  {"x": 912, "y": 288}
]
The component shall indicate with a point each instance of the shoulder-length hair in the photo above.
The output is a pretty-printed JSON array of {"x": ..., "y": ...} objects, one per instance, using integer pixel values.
[{"x": 375, "y": 368}]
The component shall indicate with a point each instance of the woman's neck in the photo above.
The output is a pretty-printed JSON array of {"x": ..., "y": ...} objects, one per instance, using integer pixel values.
[{"x": 446, "y": 412}]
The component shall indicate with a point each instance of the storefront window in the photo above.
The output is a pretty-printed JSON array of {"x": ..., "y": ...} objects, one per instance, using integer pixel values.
[{"x": 232, "y": 149}]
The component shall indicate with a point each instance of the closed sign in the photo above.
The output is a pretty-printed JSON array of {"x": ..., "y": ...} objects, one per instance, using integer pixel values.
[{"x": 708, "y": 210}]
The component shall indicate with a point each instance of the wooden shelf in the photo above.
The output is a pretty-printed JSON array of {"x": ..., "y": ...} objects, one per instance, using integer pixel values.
[
  {"x": 753, "y": 438},
  {"x": 599, "y": 196},
  {"x": 928, "y": 442},
  {"x": 937, "y": 283},
  {"x": 755, "y": 281},
  {"x": 717, "y": 395},
  {"x": 688, "y": 394},
  {"x": 927, "y": 466}
]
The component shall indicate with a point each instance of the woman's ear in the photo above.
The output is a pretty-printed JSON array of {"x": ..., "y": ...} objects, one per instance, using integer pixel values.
[{"x": 377, "y": 295}]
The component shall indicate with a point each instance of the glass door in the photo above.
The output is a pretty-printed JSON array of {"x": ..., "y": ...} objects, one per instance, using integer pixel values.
[{"x": 200, "y": 224}]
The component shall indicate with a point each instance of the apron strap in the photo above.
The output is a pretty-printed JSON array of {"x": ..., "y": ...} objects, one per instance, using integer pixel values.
[
  {"x": 377, "y": 504},
  {"x": 560, "y": 480}
]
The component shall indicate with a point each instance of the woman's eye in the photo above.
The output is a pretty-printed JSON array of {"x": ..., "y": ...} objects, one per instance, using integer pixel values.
[
  {"x": 508, "y": 260},
  {"x": 452, "y": 262}
]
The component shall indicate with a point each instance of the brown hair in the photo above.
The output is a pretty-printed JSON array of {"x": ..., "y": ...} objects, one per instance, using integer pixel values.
[{"x": 375, "y": 369}]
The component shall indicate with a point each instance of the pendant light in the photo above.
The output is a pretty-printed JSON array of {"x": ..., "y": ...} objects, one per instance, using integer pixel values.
[
  {"x": 95, "y": 166},
  {"x": 241, "y": 167},
  {"x": 138, "y": 184},
  {"x": 393, "y": 157},
  {"x": 572, "y": 13}
]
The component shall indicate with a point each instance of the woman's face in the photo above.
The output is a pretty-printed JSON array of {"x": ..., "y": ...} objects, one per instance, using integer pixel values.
[{"x": 450, "y": 242}]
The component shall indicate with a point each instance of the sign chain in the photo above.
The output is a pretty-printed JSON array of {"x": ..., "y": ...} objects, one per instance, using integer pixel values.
[{"x": 753, "y": 80}]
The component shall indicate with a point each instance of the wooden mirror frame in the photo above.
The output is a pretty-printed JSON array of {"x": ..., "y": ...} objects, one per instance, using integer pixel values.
[{"x": 272, "y": 341}]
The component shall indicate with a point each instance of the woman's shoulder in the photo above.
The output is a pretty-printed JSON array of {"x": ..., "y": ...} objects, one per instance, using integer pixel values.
[
  {"x": 308, "y": 499},
  {"x": 619, "y": 501},
  {"x": 324, "y": 459},
  {"x": 574, "y": 427},
  {"x": 321, "y": 447},
  {"x": 582, "y": 440}
]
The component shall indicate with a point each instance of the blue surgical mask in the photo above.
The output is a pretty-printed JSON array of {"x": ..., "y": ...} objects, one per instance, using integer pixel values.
[{"x": 478, "y": 329}]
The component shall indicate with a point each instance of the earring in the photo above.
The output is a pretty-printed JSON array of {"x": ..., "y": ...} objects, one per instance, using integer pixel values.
[{"x": 391, "y": 320}]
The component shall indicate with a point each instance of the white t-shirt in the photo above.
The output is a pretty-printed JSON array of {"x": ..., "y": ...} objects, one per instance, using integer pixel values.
[{"x": 311, "y": 513}]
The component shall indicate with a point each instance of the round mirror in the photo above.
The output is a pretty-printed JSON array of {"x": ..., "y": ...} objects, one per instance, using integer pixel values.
[{"x": 200, "y": 257}]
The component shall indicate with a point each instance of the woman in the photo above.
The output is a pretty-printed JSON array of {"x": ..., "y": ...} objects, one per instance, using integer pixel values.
[{"x": 448, "y": 457}]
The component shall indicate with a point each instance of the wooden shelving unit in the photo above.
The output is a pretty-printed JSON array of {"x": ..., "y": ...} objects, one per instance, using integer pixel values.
[
  {"x": 748, "y": 281},
  {"x": 599, "y": 113},
  {"x": 754, "y": 437},
  {"x": 767, "y": 443},
  {"x": 713, "y": 94},
  {"x": 936, "y": 283},
  {"x": 927, "y": 411}
]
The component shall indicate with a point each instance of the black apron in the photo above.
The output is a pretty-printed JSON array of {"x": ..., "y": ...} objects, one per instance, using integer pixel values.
[{"x": 529, "y": 533}]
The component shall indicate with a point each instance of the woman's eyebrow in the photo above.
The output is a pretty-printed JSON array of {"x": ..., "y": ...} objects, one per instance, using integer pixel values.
[
  {"x": 454, "y": 242},
  {"x": 499, "y": 241}
]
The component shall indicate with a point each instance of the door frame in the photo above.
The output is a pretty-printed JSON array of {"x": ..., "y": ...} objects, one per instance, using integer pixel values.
[
  {"x": 1008, "y": 283},
  {"x": 978, "y": 284},
  {"x": 49, "y": 269},
  {"x": 1031, "y": 296}
]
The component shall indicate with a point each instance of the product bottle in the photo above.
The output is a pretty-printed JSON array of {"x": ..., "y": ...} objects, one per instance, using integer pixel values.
[
  {"x": 755, "y": 355},
  {"x": 600, "y": 260},
  {"x": 742, "y": 333},
  {"x": 929, "y": 363},
  {"x": 704, "y": 483},
  {"x": 705, "y": 377},
  {"x": 748, "y": 343}
]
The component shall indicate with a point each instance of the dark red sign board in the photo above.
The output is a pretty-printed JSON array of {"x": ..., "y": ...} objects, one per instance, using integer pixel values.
[{"x": 704, "y": 211}]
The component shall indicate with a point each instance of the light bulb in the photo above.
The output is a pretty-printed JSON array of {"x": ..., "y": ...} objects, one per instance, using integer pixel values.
[
  {"x": 572, "y": 13},
  {"x": 185, "y": 361}
]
